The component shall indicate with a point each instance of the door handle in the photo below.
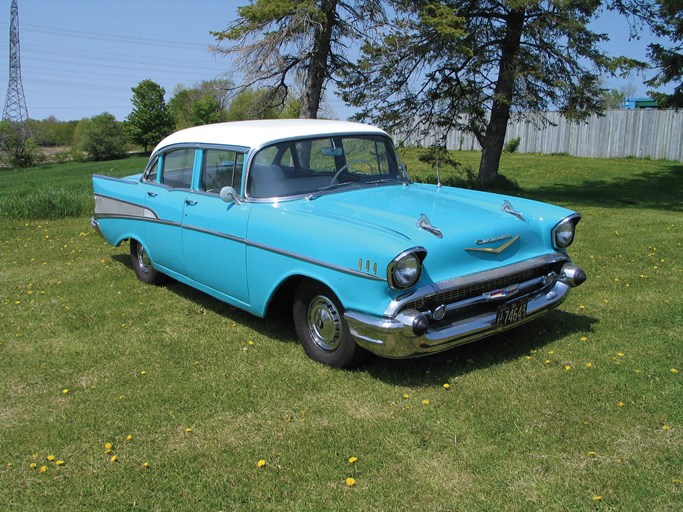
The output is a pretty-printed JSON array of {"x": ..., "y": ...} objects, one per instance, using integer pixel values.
[
  {"x": 190, "y": 202},
  {"x": 152, "y": 194}
]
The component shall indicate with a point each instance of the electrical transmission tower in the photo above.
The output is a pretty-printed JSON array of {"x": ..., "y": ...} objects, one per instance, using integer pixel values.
[{"x": 15, "y": 102}]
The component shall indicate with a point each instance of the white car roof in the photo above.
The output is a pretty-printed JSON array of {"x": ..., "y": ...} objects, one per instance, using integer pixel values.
[{"x": 253, "y": 134}]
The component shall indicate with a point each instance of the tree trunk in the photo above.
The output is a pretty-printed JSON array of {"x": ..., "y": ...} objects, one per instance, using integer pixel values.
[
  {"x": 317, "y": 67},
  {"x": 494, "y": 138}
]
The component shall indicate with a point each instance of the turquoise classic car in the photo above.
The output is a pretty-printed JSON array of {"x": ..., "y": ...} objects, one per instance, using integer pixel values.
[{"x": 322, "y": 216}]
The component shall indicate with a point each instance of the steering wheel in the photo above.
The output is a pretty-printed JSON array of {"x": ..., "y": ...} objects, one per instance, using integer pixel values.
[{"x": 346, "y": 166}]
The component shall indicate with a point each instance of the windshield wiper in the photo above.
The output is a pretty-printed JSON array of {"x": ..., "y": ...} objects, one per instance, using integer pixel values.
[{"x": 322, "y": 190}]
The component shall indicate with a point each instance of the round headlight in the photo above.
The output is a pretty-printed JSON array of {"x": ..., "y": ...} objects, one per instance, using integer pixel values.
[
  {"x": 563, "y": 234},
  {"x": 405, "y": 270}
]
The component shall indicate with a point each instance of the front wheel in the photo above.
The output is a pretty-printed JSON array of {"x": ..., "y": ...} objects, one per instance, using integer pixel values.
[
  {"x": 321, "y": 328},
  {"x": 143, "y": 265}
]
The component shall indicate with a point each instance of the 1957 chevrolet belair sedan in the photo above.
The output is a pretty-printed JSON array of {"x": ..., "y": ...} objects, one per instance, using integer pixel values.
[{"x": 323, "y": 215}]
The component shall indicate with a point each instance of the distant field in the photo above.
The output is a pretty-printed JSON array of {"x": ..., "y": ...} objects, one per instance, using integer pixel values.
[{"x": 581, "y": 410}]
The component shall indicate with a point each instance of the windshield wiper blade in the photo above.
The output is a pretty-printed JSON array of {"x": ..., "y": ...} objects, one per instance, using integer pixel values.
[{"x": 331, "y": 186}]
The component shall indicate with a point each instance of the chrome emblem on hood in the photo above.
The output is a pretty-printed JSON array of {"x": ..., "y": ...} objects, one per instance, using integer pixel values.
[
  {"x": 508, "y": 208},
  {"x": 492, "y": 250}
]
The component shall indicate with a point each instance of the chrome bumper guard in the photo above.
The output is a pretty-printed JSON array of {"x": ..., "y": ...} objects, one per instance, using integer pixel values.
[{"x": 413, "y": 333}]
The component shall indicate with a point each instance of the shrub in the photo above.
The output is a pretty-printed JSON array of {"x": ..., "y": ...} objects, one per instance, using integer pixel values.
[
  {"x": 101, "y": 138},
  {"x": 18, "y": 150},
  {"x": 512, "y": 145}
]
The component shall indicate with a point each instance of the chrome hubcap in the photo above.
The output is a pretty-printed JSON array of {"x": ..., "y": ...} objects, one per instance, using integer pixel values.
[
  {"x": 143, "y": 259},
  {"x": 324, "y": 323}
]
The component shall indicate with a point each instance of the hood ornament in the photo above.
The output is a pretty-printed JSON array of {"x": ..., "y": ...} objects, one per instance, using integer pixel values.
[
  {"x": 508, "y": 208},
  {"x": 424, "y": 223}
]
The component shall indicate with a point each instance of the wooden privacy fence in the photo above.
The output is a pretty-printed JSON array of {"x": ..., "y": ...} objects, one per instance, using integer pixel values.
[{"x": 656, "y": 134}]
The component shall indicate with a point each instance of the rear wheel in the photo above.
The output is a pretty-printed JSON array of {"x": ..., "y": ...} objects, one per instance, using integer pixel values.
[
  {"x": 143, "y": 265},
  {"x": 321, "y": 328}
]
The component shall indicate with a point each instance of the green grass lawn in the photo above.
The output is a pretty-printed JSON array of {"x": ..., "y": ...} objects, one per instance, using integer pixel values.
[{"x": 581, "y": 410}]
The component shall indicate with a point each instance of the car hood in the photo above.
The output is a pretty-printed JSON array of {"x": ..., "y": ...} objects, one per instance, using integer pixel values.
[{"x": 456, "y": 226}]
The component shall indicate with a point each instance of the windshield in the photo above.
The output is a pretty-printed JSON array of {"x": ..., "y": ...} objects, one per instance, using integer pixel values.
[{"x": 312, "y": 166}]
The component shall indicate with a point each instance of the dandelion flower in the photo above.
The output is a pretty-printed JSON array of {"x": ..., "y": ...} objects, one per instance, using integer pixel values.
[
  {"x": 592, "y": 454},
  {"x": 620, "y": 354},
  {"x": 65, "y": 391},
  {"x": 143, "y": 372},
  {"x": 666, "y": 427},
  {"x": 43, "y": 469},
  {"x": 50, "y": 458},
  {"x": 33, "y": 465},
  {"x": 145, "y": 465},
  {"x": 589, "y": 365},
  {"x": 188, "y": 429},
  {"x": 60, "y": 462},
  {"x": 250, "y": 343},
  {"x": 114, "y": 458},
  {"x": 107, "y": 446},
  {"x": 350, "y": 482},
  {"x": 425, "y": 402},
  {"x": 581, "y": 306},
  {"x": 674, "y": 370},
  {"x": 547, "y": 361},
  {"x": 620, "y": 404},
  {"x": 597, "y": 498},
  {"x": 129, "y": 437},
  {"x": 567, "y": 367},
  {"x": 583, "y": 338},
  {"x": 352, "y": 460},
  {"x": 261, "y": 463},
  {"x": 446, "y": 385}
]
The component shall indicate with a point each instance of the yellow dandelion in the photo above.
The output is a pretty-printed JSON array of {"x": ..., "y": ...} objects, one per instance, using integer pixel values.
[
  {"x": 107, "y": 452},
  {"x": 114, "y": 458},
  {"x": 551, "y": 352},
  {"x": 188, "y": 429},
  {"x": 673, "y": 370},
  {"x": 33, "y": 465},
  {"x": 597, "y": 498},
  {"x": 65, "y": 391},
  {"x": 43, "y": 469},
  {"x": 666, "y": 427},
  {"x": 50, "y": 458},
  {"x": 352, "y": 460},
  {"x": 250, "y": 342},
  {"x": 145, "y": 465},
  {"x": 350, "y": 482},
  {"x": 605, "y": 301},
  {"x": 581, "y": 306},
  {"x": 547, "y": 361},
  {"x": 129, "y": 437},
  {"x": 592, "y": 454},
  {"x": 528, "y": 357},
  {"x": 589, "y": 365},
  {"x": 261, "y": 463},
  {"x": 425, "y": 402},
  {"x": 567, "y": 367},
  {"x": 107, "y": 446},
  {"x": 584, "y": 338},
  {"x": 406, "y": 395},
  {"x": 446, "y": 385},
  {"x": 143, "y": 372},
  {"x": 620, "y": 354},
  {"x": 620, "y": 404},
  {"x": 60, "y": 462}
]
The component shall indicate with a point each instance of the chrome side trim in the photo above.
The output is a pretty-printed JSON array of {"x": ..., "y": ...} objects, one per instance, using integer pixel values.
[
  {"x": 136, "y": 213},
  {"x": 106, "y": 206}
]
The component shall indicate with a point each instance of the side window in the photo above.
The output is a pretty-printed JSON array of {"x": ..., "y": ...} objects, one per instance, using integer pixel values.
[
  {"x": 221, "y": 168},
  {"x": 177, "y": 168},
  {"x": 152, "y": 171}
]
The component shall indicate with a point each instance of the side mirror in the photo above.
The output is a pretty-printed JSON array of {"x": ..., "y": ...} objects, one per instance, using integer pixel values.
[{"x": 229, "y": 195}]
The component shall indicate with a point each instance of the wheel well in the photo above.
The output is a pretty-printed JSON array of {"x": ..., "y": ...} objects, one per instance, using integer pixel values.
[{"x": 283, "y": 299}]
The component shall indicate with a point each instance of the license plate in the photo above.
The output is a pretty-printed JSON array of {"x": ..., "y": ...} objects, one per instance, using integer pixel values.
[{"x": 511, "y": 313}]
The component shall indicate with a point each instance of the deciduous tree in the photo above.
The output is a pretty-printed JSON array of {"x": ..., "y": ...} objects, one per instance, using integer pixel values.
[
  {"x": 668, "y": 59},
  {"x": 150, "y": 121}
]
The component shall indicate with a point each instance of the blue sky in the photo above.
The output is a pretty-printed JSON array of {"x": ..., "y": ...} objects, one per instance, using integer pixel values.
[{"x": 81, "y": 57}]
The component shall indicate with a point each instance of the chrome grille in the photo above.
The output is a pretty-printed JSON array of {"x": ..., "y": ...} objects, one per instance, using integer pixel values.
[{"x": 478, "y": 288}]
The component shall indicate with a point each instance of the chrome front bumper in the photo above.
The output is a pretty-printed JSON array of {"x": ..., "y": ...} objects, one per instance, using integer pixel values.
[{"x": 410, "y": 334}]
